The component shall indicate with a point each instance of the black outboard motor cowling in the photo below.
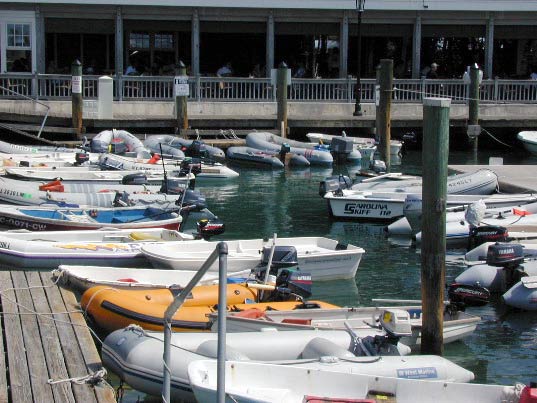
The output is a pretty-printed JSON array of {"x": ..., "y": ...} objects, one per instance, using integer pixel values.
[
  {"x": 193, "y": 200},
  {"x": 505, "y": 255},
  {"x": 471, "y": 295},
  {"x": 134, "y": 179},
  {"x": 208, "y": 228},
  {"x": 81, "y": 158},
  {"x": 290, "y": 285},
  {"x": 334, "y": 183},
  {"x": 486, "y": 233},
  {"x": 284, "y": 256}
]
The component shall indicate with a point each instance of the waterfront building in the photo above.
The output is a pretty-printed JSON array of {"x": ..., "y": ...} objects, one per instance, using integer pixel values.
[{"x": 150, "y": 36}]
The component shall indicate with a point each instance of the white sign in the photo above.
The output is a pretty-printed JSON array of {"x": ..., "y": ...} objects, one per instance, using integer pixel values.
[
  {"x": 274, "y": 77},
  {"x": 76, "y": 84},
  {"x": 377, "y": 95},
  {"x": 180, "y": 86}
]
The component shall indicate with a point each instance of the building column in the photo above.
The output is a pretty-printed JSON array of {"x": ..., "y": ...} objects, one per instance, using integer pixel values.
[
  {"x": 489, "y": 48},
  {"x": 195, "y": 38},
  {"x": 40, "y": 64},
  {"x": 269, "y": 54},
  {"x": 344, "y": 45},
  {"x": 119, "y": 42},
  {"x": 416, "y": 48}
]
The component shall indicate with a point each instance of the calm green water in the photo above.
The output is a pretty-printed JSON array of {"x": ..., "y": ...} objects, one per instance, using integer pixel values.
[{"x": 260, "y": 203}]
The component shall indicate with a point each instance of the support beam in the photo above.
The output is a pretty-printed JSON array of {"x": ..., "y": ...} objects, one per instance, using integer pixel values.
[
  {"x": 195, "y": 37},
  {"x": 40, "y": 65},
  {"x": 269, "y": 55},
  {"x": 119, "y": 42},
  {"x": 416, "y": 48},
  {"x": 344, "y": 45},
  {"x": 489, "y": 48}
]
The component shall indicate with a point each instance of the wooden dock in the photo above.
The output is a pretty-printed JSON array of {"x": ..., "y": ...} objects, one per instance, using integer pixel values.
[
  {"x": 44, "y": 337},
  {"x": 512, "y": 178}
]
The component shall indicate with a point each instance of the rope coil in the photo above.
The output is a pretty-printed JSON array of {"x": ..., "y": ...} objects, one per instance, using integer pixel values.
[{"x": 92, "y": 379}]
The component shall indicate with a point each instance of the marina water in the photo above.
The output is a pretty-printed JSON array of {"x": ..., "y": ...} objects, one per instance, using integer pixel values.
[{"x": 503, "y": 349}]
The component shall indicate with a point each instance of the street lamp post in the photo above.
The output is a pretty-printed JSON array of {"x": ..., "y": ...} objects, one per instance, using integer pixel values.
[{"x": 357, "y": 107}]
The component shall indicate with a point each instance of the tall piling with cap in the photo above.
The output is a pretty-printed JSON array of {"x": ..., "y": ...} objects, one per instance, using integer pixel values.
[
  {"x": 281, "y": 97},
  {"x": 181, "y": 91},
  {"x": 474, "y": 129},
  {"x": 76, "y": 96},
  {"x": 435, "y": 154},
  {"x": 384, "y": 110}
]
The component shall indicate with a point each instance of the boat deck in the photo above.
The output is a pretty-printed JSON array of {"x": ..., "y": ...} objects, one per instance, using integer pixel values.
[
  {"x": 53, "y": 344},
  {"x": 512, "y": 178}
]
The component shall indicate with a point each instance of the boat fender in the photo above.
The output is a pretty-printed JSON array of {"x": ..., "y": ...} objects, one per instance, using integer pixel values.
[
  {"x": 320, "y": 347},
  {"x": 529, "y": 393},
  {"x": 209, "y": 349}
]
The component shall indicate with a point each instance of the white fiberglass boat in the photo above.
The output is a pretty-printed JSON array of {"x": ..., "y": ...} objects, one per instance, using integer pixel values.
[
  {"x": 323, "y": 258},
  {"x": 252, "y": 382},
  {"x": 529, "y": 140}
]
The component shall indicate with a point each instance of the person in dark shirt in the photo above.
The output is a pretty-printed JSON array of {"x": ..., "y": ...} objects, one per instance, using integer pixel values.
[{"x": 433, "y": 72}]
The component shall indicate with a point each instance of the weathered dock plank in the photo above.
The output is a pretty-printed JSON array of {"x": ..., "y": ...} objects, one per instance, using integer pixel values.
[
  {"x": 3, "y": 354},
  {"x": 512, "y": 178},
  {"x": 91, "y": 356},
  {"x": 32, "y": 339},
  {"x": 17, "y": 361},
  {"x": 75, "y": 363},
  {"x": 51, "y": 343}
]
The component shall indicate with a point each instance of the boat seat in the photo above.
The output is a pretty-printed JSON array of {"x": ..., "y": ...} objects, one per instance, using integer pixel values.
[
  {"x": 143, "y": 236},
  {"x": 209, "y": 348},
  {"x": 320, "y": 347}
]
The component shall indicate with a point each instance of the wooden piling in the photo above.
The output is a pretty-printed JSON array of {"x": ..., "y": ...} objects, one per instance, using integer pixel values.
[
  {"x": 181, "y": 92},
  {"x": 433, "y": 247},
  {"x": 281, "y": 96},
  {"x": 76, "y": 96},
  {"x": 473, "y": 107},
  {"x": 384, "y": 110}
]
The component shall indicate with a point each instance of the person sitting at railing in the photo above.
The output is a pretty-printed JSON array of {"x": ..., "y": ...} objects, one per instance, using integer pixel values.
[
  {"x": 533, "y": 75},
  {"x": 225, "y": 71},
  {"x": 300, "y": 71},
  {"x": 131, "y": 70}
]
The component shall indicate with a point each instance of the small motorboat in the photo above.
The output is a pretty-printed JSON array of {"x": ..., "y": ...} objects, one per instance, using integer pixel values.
[
  {"x": 529, "y": 140},
  {"x": 178, "y": 147},
  {"x": 505, "y": 267},
  {"x": 457, "y": 324},
  {"x": 80, "y": 278},
  {"x": 395, "y": 145},
  {"x": 112, "y": 308},
  {"x": 269, "y": 142},
  {"x": 523, "y": 295},
  {"x": 120, "y": 142},
  {"x": 324, "y": 258},
  {"x": 249, "y": 382},
  {"x": 105, "y": 247},
  {"x": 57, "y": 218},
  {"x": 201, "y": 168},
  {"x": 130, "y": 353}
]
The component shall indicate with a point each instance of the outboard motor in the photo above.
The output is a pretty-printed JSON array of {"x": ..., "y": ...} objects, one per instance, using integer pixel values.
[
  {"x": 81, "y": 158},
  {"x": 208, "y": 228},
  {"x": 189, "y": 166},
  {"x": 378, "y": 166},
  {"x": 134, "y": 179},
  {"x": 283, "y": 257},
  {"x": 290, "y": 285},
  {"x": 486, "y": 233},
  {"x": 341, "y": 147},
  {"x": 193, "y": 200},
  {"x": 334, "y": 183},
  {"x": 469, "y": 295},
  {"x": 509, "y": 256},
  {"x": 196, "y": 149}
]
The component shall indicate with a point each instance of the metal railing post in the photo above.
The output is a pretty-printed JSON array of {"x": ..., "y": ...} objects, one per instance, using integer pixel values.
[
  {"x": 496, "y": 88},
  {"x": 221, "y": 249},
  {"x": 119, "y": 78},
  {"x": 198, "y": 88},
  {"x": 35, "y": 92},
  {"x": 222, "y": 317}
]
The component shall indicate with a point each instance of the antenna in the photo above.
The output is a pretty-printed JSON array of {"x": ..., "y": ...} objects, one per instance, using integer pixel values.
[{"x": 165, "y": 184}]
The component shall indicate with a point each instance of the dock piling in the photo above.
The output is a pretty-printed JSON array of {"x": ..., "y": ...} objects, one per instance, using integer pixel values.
[
  {"x": 384, "y": 109},
  {"x": 433, "y": 248},
  {"x": 76, "y": 96},
  {"x": 473, "y": 108},
  {"x": 281, "y": 93}
]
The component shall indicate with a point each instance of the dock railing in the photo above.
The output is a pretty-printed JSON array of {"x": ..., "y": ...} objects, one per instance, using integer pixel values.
[{"x": 238, "y": 89}]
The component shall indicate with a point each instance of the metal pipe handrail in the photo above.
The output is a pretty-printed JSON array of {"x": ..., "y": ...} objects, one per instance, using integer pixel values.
[
  {"x": 34, "y": 101},
  {"x": 219, "y": 252}
]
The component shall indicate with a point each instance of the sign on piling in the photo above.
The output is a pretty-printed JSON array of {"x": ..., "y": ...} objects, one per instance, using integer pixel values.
[
  {"x": 181, "y": 92},
  {"x": 433, "y": 246}
]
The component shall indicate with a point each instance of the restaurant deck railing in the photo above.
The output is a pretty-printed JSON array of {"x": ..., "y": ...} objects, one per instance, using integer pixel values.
[{"x": 235, "y": 89}]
